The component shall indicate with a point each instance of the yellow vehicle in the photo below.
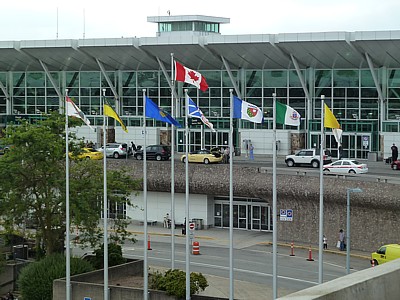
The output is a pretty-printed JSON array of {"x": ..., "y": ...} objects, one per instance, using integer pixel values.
[
  {"x": 385, "y": 253},
  {"x": 204, "y": 156},
  {"x": 88, "y": 153}
]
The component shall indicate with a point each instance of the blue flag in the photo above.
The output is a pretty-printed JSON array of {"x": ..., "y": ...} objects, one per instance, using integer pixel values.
[
  {"x": 195, "y": 112},
  {"x": 153, "y": 111},
  {"x": 246, "y": 111}
]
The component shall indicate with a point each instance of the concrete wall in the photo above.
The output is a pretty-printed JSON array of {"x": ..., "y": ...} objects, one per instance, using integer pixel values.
[
  {"x": 374, "y": 213},
  {"x": 91, "y": 285},
  {"x": 380, "y": 282}
]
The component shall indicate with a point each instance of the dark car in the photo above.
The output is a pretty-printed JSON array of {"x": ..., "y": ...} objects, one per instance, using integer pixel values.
[
  {"x": 157, "y": 152},
  {"x": 395, "y": 165}
]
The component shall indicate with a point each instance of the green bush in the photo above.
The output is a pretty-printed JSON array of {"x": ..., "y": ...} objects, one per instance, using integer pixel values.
[
  {"x": 114, "y": 256},
  {"x": 174, "y": 282},
  {"x": 36, "y": 280}
]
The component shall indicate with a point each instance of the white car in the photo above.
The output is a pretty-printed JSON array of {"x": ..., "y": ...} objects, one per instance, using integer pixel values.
[{"x": 346, "y": 166}]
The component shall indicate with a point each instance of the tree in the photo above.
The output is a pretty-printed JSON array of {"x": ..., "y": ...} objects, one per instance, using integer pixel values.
[{"x": 33, "y": 185}]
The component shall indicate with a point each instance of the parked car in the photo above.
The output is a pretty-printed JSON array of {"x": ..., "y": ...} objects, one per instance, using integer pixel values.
[
  {"x": 395, "y": 165},
  {"x": 88, "y": 153},
  {"x": 385, "y": 253},
  {"x": 115, "y": 150},
  {"x": 204, "y": 156},
  {"x": 4, "y": 149},
  {"x": 157, "y": 152},
  {"x": 308, "y": 157},
  {"x": 345, "y": 166}
]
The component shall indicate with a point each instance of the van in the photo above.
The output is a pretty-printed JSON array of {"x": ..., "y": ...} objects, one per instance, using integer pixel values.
[{"x": 385, "y": 253}]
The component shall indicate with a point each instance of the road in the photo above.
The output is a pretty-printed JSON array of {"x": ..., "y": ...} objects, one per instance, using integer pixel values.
[{"x": 251, "y": 264}]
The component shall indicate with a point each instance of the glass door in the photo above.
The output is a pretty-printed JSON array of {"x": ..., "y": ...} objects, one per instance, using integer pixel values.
[{"x": 256, "y": 217}]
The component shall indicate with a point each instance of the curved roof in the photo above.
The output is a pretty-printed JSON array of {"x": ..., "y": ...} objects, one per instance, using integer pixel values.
[{"x": 322, "y": 50}]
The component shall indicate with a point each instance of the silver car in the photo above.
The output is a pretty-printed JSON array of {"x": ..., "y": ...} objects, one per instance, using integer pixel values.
[{"x": 115, "y": 150}]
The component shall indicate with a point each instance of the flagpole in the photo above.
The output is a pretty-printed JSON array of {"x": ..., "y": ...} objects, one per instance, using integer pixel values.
[
  {"x": 187, "y": 195},
  {"x": 172, "y": 167},
  {"x": 67, "y": 216},
  {"x": 274, "y": 205},
  {"x": 231, "y": 281},
  {"x": 145, "y": 239},
  {"x": 105, "y": 200},
  {"x": 321, "y": 196}
]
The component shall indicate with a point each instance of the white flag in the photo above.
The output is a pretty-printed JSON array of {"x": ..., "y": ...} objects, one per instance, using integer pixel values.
[{"x": 74, "y": 111}]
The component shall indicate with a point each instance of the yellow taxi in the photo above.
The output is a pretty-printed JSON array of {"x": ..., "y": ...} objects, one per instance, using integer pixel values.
[
  {"x": 204, "y": 156},
  {"x": 88, "y": 153},
  {"x": 385, "y": 253}
]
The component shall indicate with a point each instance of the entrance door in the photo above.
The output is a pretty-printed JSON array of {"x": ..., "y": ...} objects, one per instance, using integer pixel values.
[
  {"x": 255, "y": 217},
  {"x": 355, "y": 145}
]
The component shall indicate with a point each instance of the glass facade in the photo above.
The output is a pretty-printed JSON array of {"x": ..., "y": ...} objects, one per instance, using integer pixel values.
[
  {"x": 188, "y": 26},
  {"x": 350, "y": 93}
]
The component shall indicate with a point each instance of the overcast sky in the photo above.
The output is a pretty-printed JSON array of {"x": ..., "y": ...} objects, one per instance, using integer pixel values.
[{"x": 76, "y": 19}]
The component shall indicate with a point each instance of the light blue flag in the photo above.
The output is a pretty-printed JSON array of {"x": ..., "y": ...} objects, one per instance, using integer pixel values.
[
  {"x": 195, "y": 112},
  {"x": 153, "y": 111}
]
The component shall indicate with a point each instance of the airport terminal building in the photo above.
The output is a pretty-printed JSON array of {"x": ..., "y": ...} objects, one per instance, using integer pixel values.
[{"x": 358, "y": 72}]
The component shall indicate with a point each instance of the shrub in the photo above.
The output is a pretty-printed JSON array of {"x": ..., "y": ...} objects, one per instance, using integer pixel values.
[
  {"x": 36, "y": 280},
  {"x": 114, "y": 256},
  {"x": 174, "y": 282}
]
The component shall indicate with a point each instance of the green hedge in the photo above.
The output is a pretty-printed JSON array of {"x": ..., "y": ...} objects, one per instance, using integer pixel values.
[{"x": 36, "y": 280}]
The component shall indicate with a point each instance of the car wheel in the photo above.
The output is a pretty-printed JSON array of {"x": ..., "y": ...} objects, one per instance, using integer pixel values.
[
  {"x": 394, "y": 167},
  {"x": 158, "y": 157},
  {"x": 206, "y": 161},
  {"x": 184, "y": 159},
  {"x": 315, "y": 164},
  {"x": 352, "y": 172},
  {"x": 326, "y": 170},
  {"x": 375, "y": 262},
  {"x": 116, "y": 155},
  {"x": 290, "y": 163},
  {"x": 87, "y": 157},
  {"x": 139, "y": 157}
]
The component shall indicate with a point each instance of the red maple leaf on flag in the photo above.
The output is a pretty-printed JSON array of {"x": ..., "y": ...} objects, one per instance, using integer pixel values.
[{"x": 193, "y": 75}]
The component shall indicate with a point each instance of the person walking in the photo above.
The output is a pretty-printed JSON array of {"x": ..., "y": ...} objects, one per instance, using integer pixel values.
[
  {"x": 251, "y": 152},
  {"x": 341, "y": 239},
  {"x": 226, "y": 155},
  {"x": 395, "y": 152},
  {"x": 325, "y": 242}
]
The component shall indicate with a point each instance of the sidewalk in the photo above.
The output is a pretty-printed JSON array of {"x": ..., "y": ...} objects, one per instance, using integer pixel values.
[{"x": 219, "y": 237}]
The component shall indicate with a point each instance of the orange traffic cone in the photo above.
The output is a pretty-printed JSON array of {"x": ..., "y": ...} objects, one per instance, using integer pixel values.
[{"x": 310, "y": 255}]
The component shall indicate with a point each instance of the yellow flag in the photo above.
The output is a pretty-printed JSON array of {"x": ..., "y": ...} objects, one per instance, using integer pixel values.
[
  {"x": 108, "y": 111},
  {"x": 330, "y": 120}
]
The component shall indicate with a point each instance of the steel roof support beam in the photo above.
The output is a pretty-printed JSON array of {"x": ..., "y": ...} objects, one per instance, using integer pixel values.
[
  {"x": 53, "y": 82},
  {"x": 228, "y": 69},
  {"x": 165, "y": 72},
  {"x": 301, "y": 77},
  {"x": 8, "y": 101},
  {"x": 374, "y": 77},
  {"x": 103, "y": 71}
]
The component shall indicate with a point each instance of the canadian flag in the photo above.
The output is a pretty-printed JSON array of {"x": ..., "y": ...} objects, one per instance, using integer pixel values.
[{"x": 189, "y": 76}]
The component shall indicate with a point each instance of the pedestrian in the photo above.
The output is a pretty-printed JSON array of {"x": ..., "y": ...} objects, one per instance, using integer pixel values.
[
  {"x": 251, "y": 151},
  {"x": 340, "y": 151},
  {"x": 341, "y": 239},
  {"x": 325, "y": 242},
  {"x": 166, "y": 221},
  {"x": 395, "y": 152},
  {"x": 132, "y": 148},
  {"x": 184, "y": 228},
  {"x": 226, "y": 155}
]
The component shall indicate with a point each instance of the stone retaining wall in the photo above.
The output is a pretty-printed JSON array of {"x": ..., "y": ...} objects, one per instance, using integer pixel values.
[{"x": 374, "y": 212}]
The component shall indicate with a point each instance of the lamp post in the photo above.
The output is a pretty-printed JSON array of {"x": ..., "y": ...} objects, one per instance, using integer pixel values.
[{"x": 355, "y": 190}]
